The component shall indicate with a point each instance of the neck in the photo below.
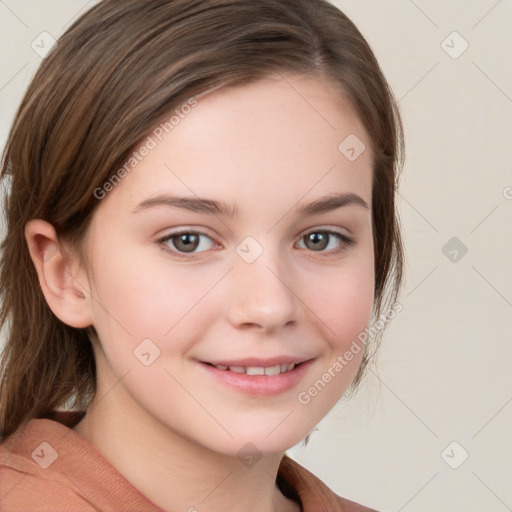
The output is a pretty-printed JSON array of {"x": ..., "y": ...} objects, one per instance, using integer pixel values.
[{"x": 177, "y": 474}]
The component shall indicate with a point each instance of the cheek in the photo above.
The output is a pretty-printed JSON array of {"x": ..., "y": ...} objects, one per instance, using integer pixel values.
[
  {"x": 147, "y": 313},
  {"x": 344, "y": 302},
  {"x": 145, "y": 298}
]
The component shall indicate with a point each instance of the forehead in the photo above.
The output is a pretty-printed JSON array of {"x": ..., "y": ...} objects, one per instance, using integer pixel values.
[{"x": 279, "y": 138}]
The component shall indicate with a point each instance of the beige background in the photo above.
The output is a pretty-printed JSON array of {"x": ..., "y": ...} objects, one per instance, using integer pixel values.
[{"x": 444, "y": 367}]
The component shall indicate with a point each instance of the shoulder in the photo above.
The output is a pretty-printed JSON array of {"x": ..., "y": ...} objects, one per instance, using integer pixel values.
[
  {"x": 312, "y": 492},
  {"x": 25, "y": 486},
  {"x": 47, "y": 467}
]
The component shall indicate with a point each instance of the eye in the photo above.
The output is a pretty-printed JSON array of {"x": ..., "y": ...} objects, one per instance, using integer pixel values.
[
  {"x": 185, "y": 242},
  {"x": 318, "y": 241}
]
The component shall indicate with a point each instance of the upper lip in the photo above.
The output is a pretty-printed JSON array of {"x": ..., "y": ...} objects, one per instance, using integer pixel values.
[{"x": 259, "y": 362}]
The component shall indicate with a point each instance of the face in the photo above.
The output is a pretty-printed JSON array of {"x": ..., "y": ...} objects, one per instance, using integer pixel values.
[{"x": 192, "y": 303}]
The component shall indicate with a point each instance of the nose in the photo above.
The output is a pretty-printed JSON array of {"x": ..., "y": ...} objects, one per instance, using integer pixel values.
[{"x": 263, "y": 294}]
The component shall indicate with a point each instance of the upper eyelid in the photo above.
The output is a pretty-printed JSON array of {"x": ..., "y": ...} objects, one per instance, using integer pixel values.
[{"x": 199, "y": 231}]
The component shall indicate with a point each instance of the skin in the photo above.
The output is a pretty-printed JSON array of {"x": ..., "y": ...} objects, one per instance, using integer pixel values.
[{"x": 171, "y": 429}]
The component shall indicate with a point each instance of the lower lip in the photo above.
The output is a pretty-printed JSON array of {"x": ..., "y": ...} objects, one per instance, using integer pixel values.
[{"x": 265, "y": 385}]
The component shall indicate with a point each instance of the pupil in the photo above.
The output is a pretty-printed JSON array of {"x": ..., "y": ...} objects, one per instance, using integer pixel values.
[
  {"x": 318, "y": 237},
  {"x": 187, "y": 243}
]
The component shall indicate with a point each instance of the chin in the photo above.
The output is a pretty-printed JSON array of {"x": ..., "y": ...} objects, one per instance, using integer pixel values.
[{"x": 257, "y": 442}]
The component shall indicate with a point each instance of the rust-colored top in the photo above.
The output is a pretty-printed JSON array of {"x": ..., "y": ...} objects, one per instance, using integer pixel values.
[{"x": 47, "y": 467}]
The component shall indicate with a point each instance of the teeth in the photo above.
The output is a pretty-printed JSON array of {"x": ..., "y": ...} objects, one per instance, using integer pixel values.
[
  {"x": 259, "y": 370},
  {"x": 255, "y": 370},
  {"x": 273, "y": 370}
]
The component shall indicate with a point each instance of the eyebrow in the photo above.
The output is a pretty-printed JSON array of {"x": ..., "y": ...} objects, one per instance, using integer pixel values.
[{"x": 220, "y": 208}]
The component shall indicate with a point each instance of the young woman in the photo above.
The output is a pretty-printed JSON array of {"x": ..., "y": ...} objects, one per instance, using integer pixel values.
[{"x": 201, "y": 229}]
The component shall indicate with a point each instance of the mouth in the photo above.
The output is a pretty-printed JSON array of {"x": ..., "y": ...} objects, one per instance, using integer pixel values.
[{"x": 257, "y": 377}]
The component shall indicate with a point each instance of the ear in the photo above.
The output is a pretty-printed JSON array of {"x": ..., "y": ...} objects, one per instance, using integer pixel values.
[{"x": 62, "y": 281}]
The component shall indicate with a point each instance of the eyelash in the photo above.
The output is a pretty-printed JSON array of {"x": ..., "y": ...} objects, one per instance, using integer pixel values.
[{"x": 346, "y": 242}]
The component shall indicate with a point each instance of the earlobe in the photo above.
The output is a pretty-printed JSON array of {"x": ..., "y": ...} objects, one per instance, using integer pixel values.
[{"x": 62, "y": 283}]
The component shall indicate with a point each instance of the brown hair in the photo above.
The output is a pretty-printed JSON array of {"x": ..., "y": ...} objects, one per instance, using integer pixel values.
[{"x": 116, "y": 72}]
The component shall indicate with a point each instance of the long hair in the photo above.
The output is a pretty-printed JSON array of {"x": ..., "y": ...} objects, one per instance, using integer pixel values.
[{"x": 118, "y": 71}]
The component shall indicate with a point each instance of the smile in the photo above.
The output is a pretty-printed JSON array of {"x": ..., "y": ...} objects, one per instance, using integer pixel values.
[{"x": 257, "y": 377}]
